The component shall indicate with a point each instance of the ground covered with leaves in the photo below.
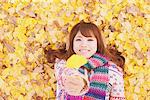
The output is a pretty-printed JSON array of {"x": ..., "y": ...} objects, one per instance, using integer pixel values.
[{"x": 28, "y": 26}]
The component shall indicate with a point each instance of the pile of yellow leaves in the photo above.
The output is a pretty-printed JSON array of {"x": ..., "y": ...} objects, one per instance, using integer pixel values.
[{"x": 28, "y": 26}]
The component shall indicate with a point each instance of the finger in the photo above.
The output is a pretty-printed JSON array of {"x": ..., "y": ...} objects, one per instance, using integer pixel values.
[
  {"x": 92, "y": 72},
  {"x": 86, "y": 73},
  {"x": 75, "y": 82},
  {"x": 72, "y": 87}
]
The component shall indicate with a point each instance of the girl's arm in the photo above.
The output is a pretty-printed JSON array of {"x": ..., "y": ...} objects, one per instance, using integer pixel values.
[
  {"x": 59, "y": 66},
  {"x": 117, "y": 82},
  {"x": 69, "y": 80}
]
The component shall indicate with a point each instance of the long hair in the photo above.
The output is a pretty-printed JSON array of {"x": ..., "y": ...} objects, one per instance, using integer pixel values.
[{"x": 86, "y": 29}]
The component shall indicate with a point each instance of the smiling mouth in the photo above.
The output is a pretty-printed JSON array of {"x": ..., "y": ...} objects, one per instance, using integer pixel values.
[{"x": 84, "y": 50}]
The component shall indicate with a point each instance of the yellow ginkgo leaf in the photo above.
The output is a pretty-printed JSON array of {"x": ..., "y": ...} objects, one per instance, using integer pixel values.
[
  {"x": 1, "y": 82},
  {"x": 21, "y": 97},
  {"x": 11, "y": 10},
  {"x": 30, "y": 94},
  {"x": 15, "y": 93},
  {"x": 75, "y": 61},
  {"x": 2, "y": 22},
  {"x": 6, "y": 72},
  {"x": 64, "y": 1},
  {"x": 140, "y": 21},
  {"x": 117, "y": 9},
  {"x": 19, "y": 52},
  {"x": 137, "y": 89},
  {"x": 41, "y": 36},
  {"x": 142, "y": 91},
  {"x": 83, "y": 16},
  {"x": 57, "y": 1},
  {"x": 109, "y": 16},
  {"x": 31, "y": 57},
  {"x": 7, "y": 90},
  {"x": 26, "y": 26},
  {"x": 1, "y": 47},
  {"x": 9, "y": 47},
  {"x": 6, "y": 6},
  {"x": 20, "y": 33}
]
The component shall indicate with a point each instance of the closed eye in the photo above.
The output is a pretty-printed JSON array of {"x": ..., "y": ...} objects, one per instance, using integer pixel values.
[
  {"x": 90, "y": 40},
  {"x": 78, "y": 39}
]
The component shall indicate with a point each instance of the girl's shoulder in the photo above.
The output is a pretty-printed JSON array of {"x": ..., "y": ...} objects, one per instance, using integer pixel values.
[
  {"x": 115, "y": 74},
  {"x": 114, "y": 68},
  {"x": 59, "y": 66},
  {"x": 59, "y": 63}
]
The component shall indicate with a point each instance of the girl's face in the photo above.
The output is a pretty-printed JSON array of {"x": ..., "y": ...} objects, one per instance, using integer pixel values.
[{"x": 85, "y": 46}]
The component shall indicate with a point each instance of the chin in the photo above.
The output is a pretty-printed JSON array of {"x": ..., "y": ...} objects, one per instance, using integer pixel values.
[{"x": 87, "y": 56}]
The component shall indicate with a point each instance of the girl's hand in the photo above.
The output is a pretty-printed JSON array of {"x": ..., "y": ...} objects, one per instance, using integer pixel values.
[{"x": 75, "y": 84}]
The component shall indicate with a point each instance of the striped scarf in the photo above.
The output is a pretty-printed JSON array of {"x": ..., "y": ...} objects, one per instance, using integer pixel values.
[{"x": 98, "y": 81}]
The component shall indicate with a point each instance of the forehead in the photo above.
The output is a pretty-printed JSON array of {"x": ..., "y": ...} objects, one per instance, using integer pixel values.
[{"x": 79, "y": 34}]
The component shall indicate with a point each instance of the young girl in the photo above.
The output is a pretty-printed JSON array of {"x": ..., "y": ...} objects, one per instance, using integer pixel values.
[{"x": 102, "y": 69}]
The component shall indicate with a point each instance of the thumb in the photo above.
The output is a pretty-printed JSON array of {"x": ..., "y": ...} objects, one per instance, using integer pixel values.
[
  {"x": 92, "y": 72},
  {"x": 86, "y": 73}
]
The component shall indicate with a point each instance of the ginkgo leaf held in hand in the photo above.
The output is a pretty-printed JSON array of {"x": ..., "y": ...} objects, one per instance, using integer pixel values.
[{"x": 75, "y": 61}]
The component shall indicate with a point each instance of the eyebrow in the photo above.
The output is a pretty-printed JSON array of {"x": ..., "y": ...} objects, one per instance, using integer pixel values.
[
  {"x": 86, "y": 37},
  {"x": 79, "y": 36}
]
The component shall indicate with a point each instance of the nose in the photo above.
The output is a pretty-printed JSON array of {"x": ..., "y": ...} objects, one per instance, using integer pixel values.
[{"x": 84, "y": 44}]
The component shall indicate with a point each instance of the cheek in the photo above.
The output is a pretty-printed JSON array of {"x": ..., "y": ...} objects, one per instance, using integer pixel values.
[
  {"x": 94, "y": 46},
  {"x": 75, "y": 46}
]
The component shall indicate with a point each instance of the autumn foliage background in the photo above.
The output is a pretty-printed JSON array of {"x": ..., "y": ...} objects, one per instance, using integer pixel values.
[{"x": 28, "y": 26}]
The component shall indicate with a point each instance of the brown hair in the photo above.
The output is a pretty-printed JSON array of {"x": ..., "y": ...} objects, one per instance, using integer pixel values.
[
  {"x": 115, "y": 56},
  {"x": 86, "y": 29}
]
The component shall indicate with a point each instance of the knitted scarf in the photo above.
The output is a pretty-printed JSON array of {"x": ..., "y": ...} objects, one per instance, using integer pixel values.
[{"x": 98, "y": 81}]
